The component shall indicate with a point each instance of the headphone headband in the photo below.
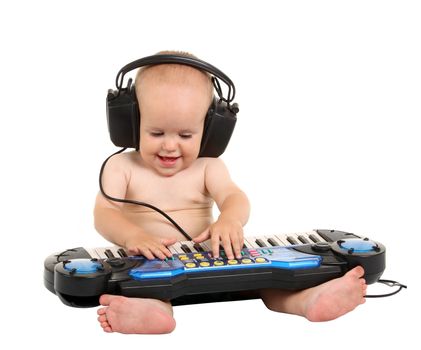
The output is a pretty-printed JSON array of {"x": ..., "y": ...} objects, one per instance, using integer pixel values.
[{"x": 177, "y": 59}]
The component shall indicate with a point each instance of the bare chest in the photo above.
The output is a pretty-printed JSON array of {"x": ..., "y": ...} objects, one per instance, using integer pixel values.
[{"x": 185, "y": 190}]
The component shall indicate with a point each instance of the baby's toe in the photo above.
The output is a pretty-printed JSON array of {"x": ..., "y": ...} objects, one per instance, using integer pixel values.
[
  {"x": 101, "y": 311},
  {"x": 102, "y": 318}
]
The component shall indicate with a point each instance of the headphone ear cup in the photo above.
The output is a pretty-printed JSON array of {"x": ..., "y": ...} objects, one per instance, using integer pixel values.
[
  {"x": 219, "y": 126},
  {"x": 123, "y": 117}
]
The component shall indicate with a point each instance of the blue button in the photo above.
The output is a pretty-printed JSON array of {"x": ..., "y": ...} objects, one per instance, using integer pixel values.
[
  {"x": 82, "y": 266},
  {"x": 357, "y": 245}
]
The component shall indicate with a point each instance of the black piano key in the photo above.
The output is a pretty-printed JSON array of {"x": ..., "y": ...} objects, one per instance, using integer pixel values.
[
  {"x": 273, "y": 242},
  {"x": 198, "y": 247},
  {"x": 260, "y": 243},
  {"x": 314, "y": 238},
  {"x": 292, "y": 240},
  {"x": 303, "y": 239},
  {"x": 122, "y": 253},
  {"x": 109, "y": 253},
  {"x": 185, "y": 248}
]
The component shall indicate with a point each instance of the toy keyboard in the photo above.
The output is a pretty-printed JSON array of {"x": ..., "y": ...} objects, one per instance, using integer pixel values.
[{"x": 79, "y": 276}]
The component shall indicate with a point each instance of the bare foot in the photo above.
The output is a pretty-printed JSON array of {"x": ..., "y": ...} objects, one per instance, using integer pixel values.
[
  {"x": 336, "y": 297},
  {"x": 135, "y": 315},
  {"x": 321, "y": 303}
]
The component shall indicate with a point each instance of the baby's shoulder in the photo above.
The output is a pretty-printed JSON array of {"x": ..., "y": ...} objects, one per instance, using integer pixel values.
[
  {"x": 205, "y": 163},
  {"x": 122, "y": 161},
  {"x": 211, "y": 166}
]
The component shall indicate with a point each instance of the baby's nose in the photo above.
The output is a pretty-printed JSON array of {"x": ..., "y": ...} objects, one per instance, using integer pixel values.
[{"x": 169, "y": 144}]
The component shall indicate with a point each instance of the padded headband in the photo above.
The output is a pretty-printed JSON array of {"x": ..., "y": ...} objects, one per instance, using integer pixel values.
[{"x": 176, "y": 59}]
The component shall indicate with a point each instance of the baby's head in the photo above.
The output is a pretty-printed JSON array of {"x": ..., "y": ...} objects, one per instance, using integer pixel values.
[{"x": 173, "y": 102}]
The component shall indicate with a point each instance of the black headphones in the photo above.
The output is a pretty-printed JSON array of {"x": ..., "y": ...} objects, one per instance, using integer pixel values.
[{"x": 123, "y": 115}]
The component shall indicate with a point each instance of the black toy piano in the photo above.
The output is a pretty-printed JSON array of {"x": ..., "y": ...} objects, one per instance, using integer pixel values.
[{"x": 79, "y": 276}]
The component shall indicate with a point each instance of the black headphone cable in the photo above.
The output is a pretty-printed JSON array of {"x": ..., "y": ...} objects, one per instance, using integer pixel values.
[
  {"x": 130, "y": 201},
  {"x": 389, "y": 283}
]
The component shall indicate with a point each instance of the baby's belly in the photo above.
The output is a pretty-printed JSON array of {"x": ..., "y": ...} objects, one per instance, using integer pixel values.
[{"x": 193, "y": 221}]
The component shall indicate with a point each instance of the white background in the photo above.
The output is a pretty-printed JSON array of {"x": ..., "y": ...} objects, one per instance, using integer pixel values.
[{"x": 327, "y": 137}]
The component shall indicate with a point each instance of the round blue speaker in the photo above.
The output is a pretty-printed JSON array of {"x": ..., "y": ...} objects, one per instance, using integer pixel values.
[
  {"x": 358, "y": 245},
  {"x": 368, "y": 254},
  {"x": 82, "y": 266}
]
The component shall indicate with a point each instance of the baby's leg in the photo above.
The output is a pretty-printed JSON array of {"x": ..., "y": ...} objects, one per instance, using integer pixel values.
[
  {"x": 135, "y": 315},
  {"x": 321, "y": 303}
]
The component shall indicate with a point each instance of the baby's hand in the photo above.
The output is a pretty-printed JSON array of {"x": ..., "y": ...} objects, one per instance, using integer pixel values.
[
  {"x": 150, "y": 246},
  {"x": 227, "y": 233}
]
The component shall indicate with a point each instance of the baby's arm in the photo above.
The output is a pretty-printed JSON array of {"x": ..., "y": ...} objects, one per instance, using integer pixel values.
[
  {"x": 111, "y": 223},
  {"x": 234, "y": 211}
]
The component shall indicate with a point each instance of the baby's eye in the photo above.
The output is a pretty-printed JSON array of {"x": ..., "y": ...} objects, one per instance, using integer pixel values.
[
  {"x": 156, "y": 133},
  {"x": 185, "y": 136}
]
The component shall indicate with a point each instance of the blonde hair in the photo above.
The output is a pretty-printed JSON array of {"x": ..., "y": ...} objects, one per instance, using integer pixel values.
[{"x": 179, "y": 73}]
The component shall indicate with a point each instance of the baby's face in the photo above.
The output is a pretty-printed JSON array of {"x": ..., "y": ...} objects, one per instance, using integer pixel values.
[{"x": 171, "y": 125}]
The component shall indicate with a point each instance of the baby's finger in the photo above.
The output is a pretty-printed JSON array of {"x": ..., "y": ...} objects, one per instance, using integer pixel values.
[
  {"x": 168, "y": 241},
  {"x": 147, "y": 253},
  {"x": 167, "y": 253},
  {"x": 237, "y": 246},
  {"x": 162, "y": 247},
  {"x": 202, "y": 237},
  {"x": 159, "y": 254},
  {"x": 133, "y": 250},
  {"x": 215, "y": 245},
  {"x": 226, "y": 243}
]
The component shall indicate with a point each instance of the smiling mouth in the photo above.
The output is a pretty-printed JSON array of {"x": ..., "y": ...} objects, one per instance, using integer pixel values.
[
  {"x": 168, "y": 161},
  {"x": 167, "y": 158}
]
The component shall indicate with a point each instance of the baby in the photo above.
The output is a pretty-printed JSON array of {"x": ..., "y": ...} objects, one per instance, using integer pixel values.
[{"x": 167, "y": 172}]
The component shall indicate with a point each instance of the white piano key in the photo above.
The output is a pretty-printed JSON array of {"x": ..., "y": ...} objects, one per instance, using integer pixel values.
[
  {"x": 252, "y": 241},
  {"x": 101, "y": 252},
  {"x": 247, "y": 243},
  {"x": 190, "y": 245},
  {"x": 93, "y": 253},
  {"x": 318, "y": 236},
  {"x": 177, "y": 248},
  {"x": 172, "y": 249},
  {"x": 282, "y": 238}
]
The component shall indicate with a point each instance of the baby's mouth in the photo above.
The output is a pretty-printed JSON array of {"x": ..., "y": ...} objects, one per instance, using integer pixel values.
[{"x": 168, "y": 160}]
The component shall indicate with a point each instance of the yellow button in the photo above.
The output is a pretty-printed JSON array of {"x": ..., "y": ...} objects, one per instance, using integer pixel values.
[
  {"x": 218, "y": 263},
  {"x": 260, "y": 260},
  {"x": 183, "y": 257},
  {"x": 199, "y": 256},
  {"x": 204, "y": 264},
  {"x": 190, "y": 264},
  {"x": 233, "y": 262},
  {"x": 246, "y": 261}
]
